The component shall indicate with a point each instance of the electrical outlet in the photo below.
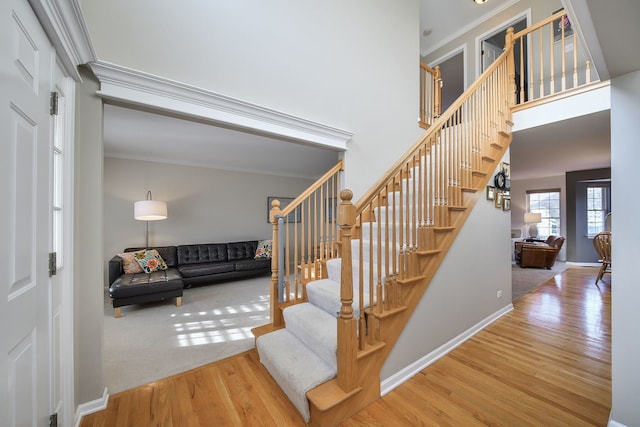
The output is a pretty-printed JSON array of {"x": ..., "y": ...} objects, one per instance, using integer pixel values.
[{"x": 499, "y": 294}]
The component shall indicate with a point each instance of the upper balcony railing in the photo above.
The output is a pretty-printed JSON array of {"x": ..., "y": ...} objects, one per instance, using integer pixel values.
[
  {"x": 430, "y": 94},
  {"x": 549, "y": 59}
]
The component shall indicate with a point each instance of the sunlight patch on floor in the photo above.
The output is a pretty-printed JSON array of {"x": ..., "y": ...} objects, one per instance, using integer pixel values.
[{"x": 221, "y": 324}]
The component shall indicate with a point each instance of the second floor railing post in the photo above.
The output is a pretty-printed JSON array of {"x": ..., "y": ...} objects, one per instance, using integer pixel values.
[
  {"x": 511, "y": 68},
  {"x": 347, "y": 332},
  {"x": 275, "y": 297},
  {"x": 437, "y": 92}
]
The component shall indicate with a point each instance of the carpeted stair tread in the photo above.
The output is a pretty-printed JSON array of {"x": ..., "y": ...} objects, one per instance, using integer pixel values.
[
  {"x": 294, "y": 366},
  {"x": 316, "y": 328},
  {"x": 325, "y": 294}
]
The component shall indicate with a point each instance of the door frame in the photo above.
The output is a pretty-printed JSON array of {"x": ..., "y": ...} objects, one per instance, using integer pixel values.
[
  {"x": 526, "y": 15},
  {"x": 63, "y": 83}
]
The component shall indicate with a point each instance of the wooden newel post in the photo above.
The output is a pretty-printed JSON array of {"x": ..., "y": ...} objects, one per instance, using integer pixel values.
[
  {"x": 347, "y": 338},
  {"x": 437, "y": 92},
  {"x": 511, "y": 68},
  {"x": 276, "y": 314}
]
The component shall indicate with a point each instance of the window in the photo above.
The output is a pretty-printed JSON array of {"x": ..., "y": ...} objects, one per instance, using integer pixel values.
[
  {"x": 547, "y": 204},
  {"x": 597, "y": 208}
]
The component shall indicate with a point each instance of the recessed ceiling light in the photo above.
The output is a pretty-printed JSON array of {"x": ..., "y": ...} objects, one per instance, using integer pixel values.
[{"x": 479, "y": 1}]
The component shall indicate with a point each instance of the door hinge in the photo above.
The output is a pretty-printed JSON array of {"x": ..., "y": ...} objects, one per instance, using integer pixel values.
[
  {"x": 53, "y": 420},
  {"x": 53, "y": 104},
  {"x": 53, "y": 269}
]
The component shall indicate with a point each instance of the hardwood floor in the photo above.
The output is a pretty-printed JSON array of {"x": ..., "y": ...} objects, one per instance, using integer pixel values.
[{"x": 548, "y": 362}]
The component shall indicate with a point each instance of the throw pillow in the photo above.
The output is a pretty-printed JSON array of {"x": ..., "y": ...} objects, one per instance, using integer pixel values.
[
  {"x": 264, "y": 249},
  {"x": 150, "y": 260},
  {"x": 129, "y": 263}
]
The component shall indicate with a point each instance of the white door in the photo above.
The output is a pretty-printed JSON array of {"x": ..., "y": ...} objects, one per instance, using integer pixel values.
[
  {"x": 26, "y": 59},
  {"x": 490, "y": 53}
]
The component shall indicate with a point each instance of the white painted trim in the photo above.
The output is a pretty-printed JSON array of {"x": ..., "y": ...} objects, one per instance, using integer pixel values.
[
  {"x": 470, "y": 26},
  {"x": 592, "y": 100},
  {"x": 63, "y": 22},
  {"x": 68, "y": 315},
  {"x": 135, "y": 87},
  {"x": 414, "y": 368},
  {"x": 462, "y": 48},
  {"x": 91, "y": 407},
  {"x": 613, "y": 423}
]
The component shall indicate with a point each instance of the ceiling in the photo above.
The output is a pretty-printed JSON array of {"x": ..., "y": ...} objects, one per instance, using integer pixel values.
[
  {"x": 543, "y": 151},
  {"x": 142, "y": 135}
]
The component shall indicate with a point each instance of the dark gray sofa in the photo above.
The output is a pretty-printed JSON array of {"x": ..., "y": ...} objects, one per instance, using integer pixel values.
[{"x": 188, "y": 265}]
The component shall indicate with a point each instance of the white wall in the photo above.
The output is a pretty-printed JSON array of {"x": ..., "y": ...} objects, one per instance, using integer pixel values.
[
  {"x": 204, "y": 205},
  {"x": 625, "y": 316},
  {"x": 352, "y": 65},
  {"x": 519, "y": 203}
]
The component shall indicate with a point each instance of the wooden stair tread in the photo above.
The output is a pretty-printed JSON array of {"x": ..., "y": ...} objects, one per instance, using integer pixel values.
[
  {"x": 479, "y": 173},
  {"x": 443, "y": 229},
  {"x": 457, "y": 208},
  {"x": 388, "y": 312},
  {"x": 410, "y": 280},
  {"x": 430, "y": 252},
  {"x": 371, "y": 349},
  {"x": 469, "y": 189},
  {"x": 488, "y": 159},
  {"x": 329, "y": 394},
  {"x": 496, "y": 145}
]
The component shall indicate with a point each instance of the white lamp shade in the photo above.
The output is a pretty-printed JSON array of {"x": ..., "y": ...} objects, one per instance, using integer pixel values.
[
  {"x": 532, "y": 218},
  {"x": 150, "y": 210}
]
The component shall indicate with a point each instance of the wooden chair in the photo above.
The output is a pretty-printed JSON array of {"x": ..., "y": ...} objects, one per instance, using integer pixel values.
[{"x": 602, "y": 244}]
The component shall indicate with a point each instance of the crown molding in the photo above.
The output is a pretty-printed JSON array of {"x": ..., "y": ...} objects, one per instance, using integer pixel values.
[
  {"x": 64, "y": 23},
  {"x": 135, "y": 87}
]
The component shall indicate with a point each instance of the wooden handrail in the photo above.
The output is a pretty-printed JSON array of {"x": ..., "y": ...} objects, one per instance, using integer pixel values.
[
  {"x": 339, "y": 167},
  {"x": 436, "y": 126},
  {"x": 305, "y": 236}
]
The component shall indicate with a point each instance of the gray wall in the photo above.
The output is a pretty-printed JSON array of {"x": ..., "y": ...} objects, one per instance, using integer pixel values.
[
  {"x": 204, "y": 205},
  {"x": 87, "y": 248},
  {"x": 463, "y": 291},
  {"x": 579, "y": 246},
  {"x": 625, "y": 317}
]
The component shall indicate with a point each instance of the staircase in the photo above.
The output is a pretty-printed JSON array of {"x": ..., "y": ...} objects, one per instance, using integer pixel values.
[{"x": 345, "y": 281}]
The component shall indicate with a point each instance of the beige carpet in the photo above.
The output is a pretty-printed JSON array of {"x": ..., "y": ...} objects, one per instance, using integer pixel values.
[
  {"x": 525, "y": 280},
  {"x": 157, "y": 340}
]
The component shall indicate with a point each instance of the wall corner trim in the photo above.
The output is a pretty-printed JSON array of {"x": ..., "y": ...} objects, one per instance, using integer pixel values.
[
  {"x": 139, "y": 88},
  {"x": 412, "y": 369}
]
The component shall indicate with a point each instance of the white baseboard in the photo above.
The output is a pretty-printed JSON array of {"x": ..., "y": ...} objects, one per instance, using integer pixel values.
[
  {"x": 613, "y": 423},
  {"x": 91, "y": 407},
  {"x": 403, "y": 375}
]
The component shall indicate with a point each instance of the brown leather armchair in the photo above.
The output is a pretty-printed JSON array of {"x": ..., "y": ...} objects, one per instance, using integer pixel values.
[{"x": 537, "y": 254}]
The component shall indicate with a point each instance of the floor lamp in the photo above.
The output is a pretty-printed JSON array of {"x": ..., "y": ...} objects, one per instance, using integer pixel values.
[
  {"x": 149, "y": 210},
  {"x": 533, "y": 219}
]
